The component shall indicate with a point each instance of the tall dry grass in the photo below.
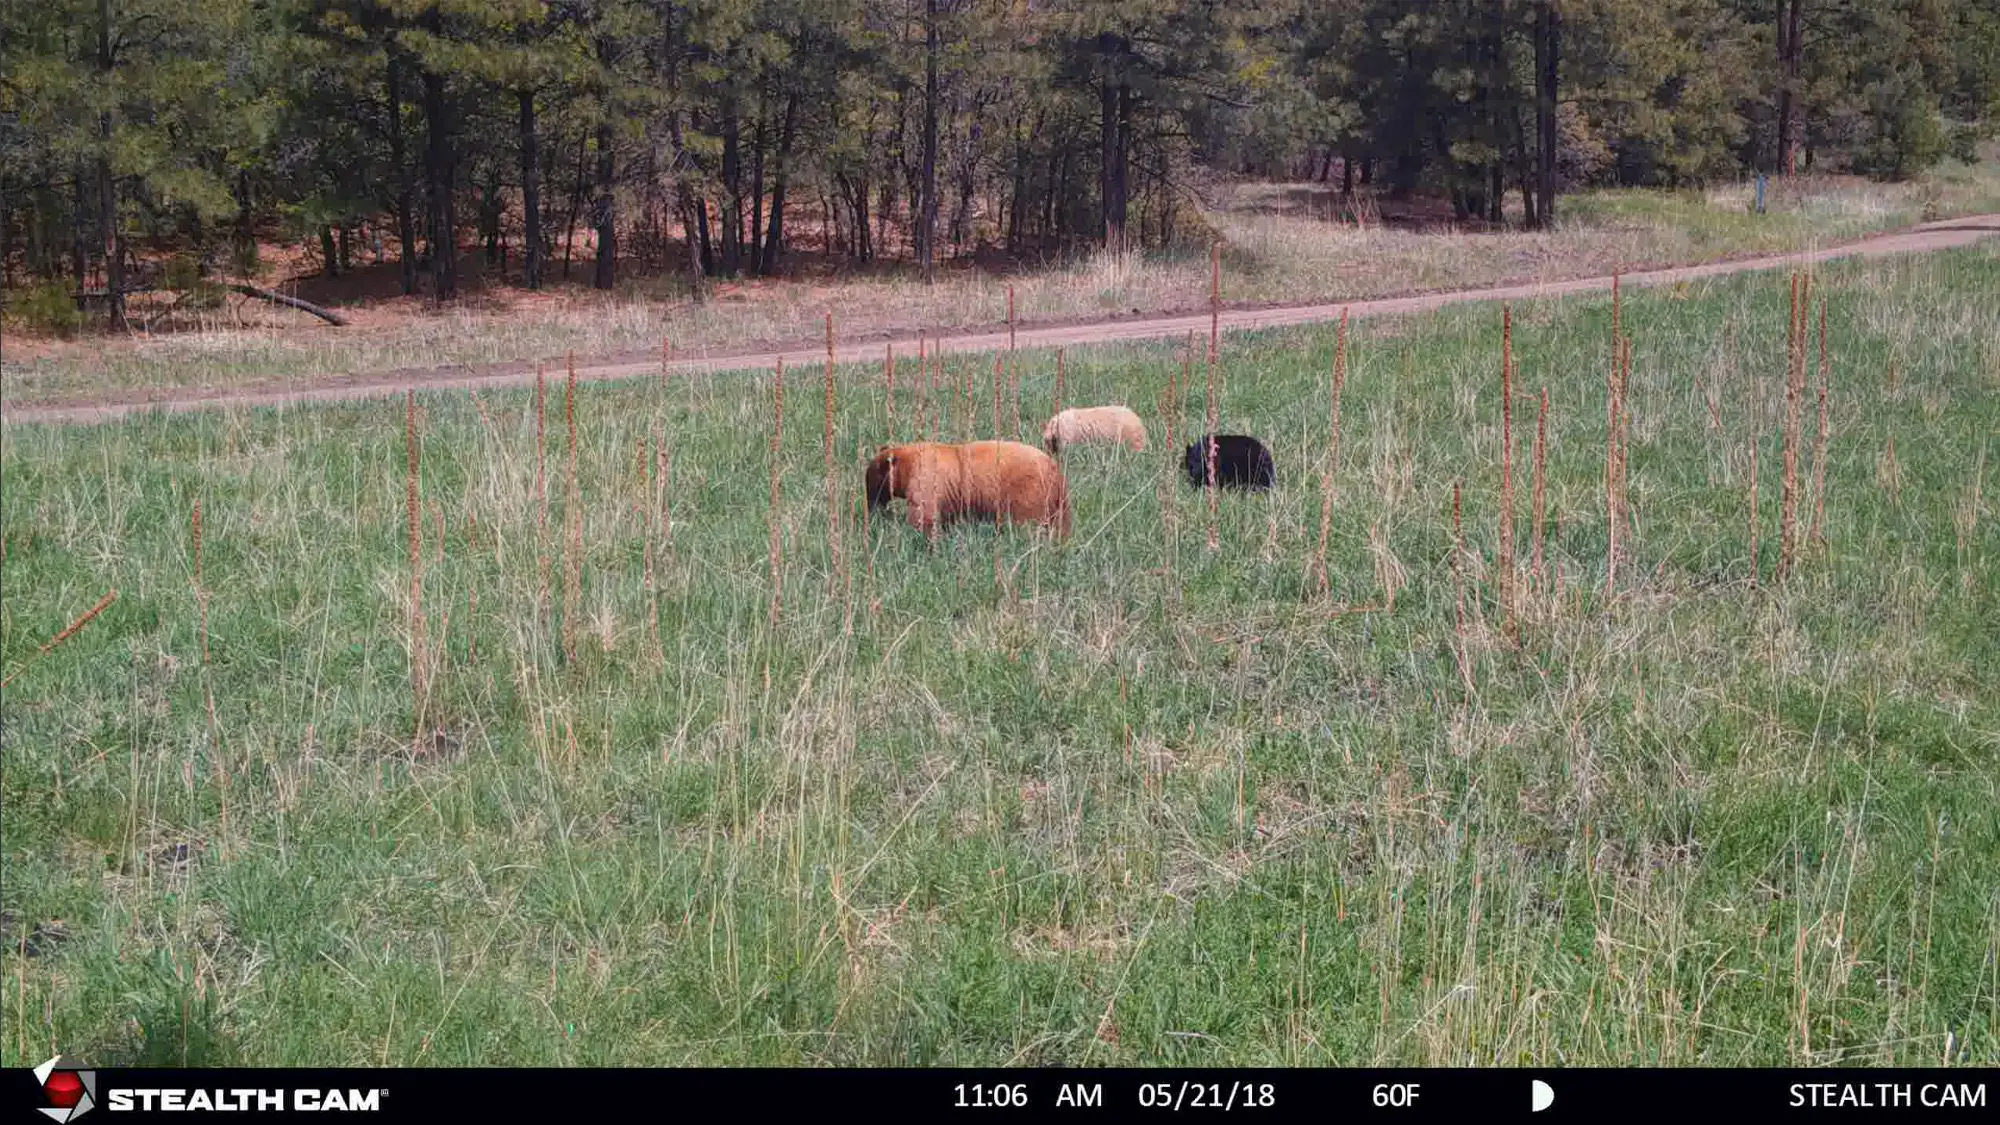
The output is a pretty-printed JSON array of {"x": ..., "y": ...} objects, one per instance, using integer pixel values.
[
  {"x": 776, "y": 552},
  {"x": 573, "y": 540},
  {"x": 836, "y": 576},
  {"x": 1541, "y": 492},
  {"x": 1795, "y": 385},
  {"x": 1214, "y": 407},
  {"x": 1506, "y": 552},
  {"x": 889, "y": 391},
  {"x": 1614, "y": 427},
  {"x": 419, "y": 654},
  {"x": 1820, "y": 447},
  {"x": 1339, "y": 384},
  {"x": 200, "y": 587}
]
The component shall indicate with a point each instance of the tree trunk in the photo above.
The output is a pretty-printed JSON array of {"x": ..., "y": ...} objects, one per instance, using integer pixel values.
[
  {"x": 8, "y": 209},
  {"x": 841, "y": 208},
  {"x": 1059, "y": 198},
  {"x": 686, "y": 202},
  {"x": 1524, "y": 169},
  {"x": 759, "y": 138},
  {"x": 329, "y": 258},
  {"x": 885, "y": 209},
  {"x": 1019, "y": 193},
  {"x": 575, "y": 200},
  {"x": 885, "y": 196},
  {"x": 684, "y": 206},
  {"x": 489, "y": 214},
  {"x": 263, "y": 294},
  {"x": 1500, "y": 87},
  {"x": 863, "y": 189},
  {"x": 1406, "y": 169},
  {"x": 406, "y": 219},
  {"x": 438, "y": 171},
  {"x": 1111, "y": 143},
  {"x": 1454, "y": 174},
  {"x": 532, "y": 248},
  {"x": 604, "y": 211},
  {"x": 1048, "y": 223},
  {"x": 341, "y": 233},
  {"x": 968, "y": 168},
  {"x": 913, "y": 191},
  {"x": 1791, "y": 54},
  {"x": 774, "y": 235},
  {"x": 707, "y": 235},
  {"x": 861, "y": 228},
  {"x": 1548, "y": 67},
  {"x": 107, "y": 185},
  {"x": 1124, "y": 164},
  {"x": 927, "y": 221},
  {"x": 732, "y": 196},
  {"x": 694, "y": 213},
  {"x": 107, "y": 218},
  {"x": 1347, "y": 175},
  {"x": 243, "y": 238},
  {"x": 79, "y": 233},
  {"x": 651, "y": 248}
]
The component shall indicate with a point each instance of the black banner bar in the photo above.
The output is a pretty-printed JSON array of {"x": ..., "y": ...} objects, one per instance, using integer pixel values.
[{"x": 1000, "y": 1095}]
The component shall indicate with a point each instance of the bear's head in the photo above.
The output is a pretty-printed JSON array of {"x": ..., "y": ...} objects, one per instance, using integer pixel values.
[
  {"x": 1197, "y": 461},
  {"x": 884, "y": 483}
]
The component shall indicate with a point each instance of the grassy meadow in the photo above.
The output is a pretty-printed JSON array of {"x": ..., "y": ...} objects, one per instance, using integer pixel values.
[{"x": 1123, "y": 800}]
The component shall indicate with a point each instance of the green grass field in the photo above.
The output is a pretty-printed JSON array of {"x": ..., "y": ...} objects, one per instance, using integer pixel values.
[{"x": 1120, "y": 801}]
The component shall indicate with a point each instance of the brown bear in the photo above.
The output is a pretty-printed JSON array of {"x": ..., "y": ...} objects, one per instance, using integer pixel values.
[{"x": 991, "y": 480}]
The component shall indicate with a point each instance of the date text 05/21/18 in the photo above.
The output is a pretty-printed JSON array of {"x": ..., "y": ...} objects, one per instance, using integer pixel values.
[{"x": 1170, "y": 1096}]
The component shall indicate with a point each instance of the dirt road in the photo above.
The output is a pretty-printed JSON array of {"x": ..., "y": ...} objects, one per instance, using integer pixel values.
[{"x": 1941, "y": 235}]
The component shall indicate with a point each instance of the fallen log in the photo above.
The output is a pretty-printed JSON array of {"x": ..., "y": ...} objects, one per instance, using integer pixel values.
[{"x": 289, "y": 302}]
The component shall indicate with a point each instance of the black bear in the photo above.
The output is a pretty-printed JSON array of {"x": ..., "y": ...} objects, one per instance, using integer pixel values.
[{"x": 1240, "y": 462}]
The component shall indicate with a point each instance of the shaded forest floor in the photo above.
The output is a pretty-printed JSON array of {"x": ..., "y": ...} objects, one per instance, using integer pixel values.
[{"x": 1284, "y": 244}]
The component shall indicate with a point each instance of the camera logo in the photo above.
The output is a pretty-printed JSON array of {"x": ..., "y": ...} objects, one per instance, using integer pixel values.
[{"x": 69, "y": 1091}]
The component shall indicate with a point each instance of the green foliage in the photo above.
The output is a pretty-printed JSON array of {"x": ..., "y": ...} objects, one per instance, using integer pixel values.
[
  {"x": 1907, "y": 133},
  {"x": 183, "y": 275},
  {"x": 183, "y": 272},
  {"x": 243, "y": 257},
  {"x": 706, "y": 119},
  {"x": 47, "y": 307}
]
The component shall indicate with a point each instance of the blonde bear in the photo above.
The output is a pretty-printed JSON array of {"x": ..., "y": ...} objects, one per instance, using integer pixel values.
[{"x": 1094, "y": 423}]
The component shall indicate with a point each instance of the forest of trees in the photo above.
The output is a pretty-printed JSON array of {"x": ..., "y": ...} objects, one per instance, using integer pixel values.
[{"x": 690, "y": 135}]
